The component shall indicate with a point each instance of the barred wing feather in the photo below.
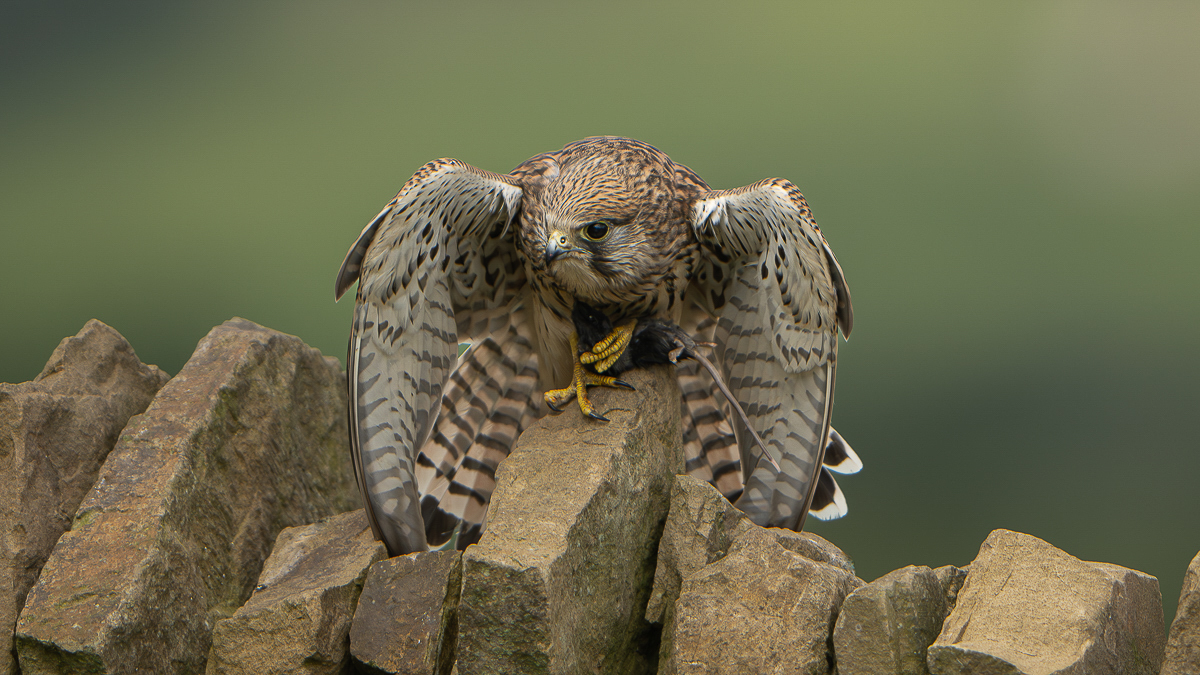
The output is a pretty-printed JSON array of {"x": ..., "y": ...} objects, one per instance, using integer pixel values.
[
  {"x": 778, "y": 296},
  {"x": 427, "y": 269}
]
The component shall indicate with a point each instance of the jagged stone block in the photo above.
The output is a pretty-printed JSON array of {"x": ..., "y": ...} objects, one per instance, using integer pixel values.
[
  {"x": 54, "y": 435},
  {"x": 813, "y": 547},
  {"x": 951, "y": 578},
  {"x": 250, "y": 437},
  {"x": 1029, "y": 608},
  {"x": 736, "y": 598},
  {"x": 559, "y": 581},
  {"x": 700, "y": 527},
  {"x": 886, "y": 626},
  {"x": 298, "y": 620},
  {"x": 1183, "y": 647},
  {"x": 407, "y": 618}
]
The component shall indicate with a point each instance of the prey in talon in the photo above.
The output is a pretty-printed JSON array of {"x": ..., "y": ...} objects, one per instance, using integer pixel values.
[{"x": 651, "y": 342}]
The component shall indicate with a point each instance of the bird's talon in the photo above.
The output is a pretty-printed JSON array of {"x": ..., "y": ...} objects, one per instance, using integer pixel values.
[
  {"x": 608, "y": 340},
  {"x": 601, "y": 366},
  {"x": 582, "y": 378},
  {"x": 606, "y": 352},
  {"x": 555, "y": 398}
]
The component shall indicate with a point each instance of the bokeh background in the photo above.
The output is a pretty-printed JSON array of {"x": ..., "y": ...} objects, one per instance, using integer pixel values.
[{"x": 1012, "y": 188}]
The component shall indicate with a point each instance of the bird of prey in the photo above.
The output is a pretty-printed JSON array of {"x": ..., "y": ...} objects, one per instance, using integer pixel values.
[{"x": 497, "y": 262}]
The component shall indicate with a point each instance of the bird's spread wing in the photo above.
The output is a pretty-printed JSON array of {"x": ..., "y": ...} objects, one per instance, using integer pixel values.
[
  {"x": 433, "y": 267},
  {"x": 778, "y": 296}
]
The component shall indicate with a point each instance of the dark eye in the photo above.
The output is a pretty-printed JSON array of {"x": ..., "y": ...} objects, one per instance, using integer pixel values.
[{"x": 596, "y": 231}]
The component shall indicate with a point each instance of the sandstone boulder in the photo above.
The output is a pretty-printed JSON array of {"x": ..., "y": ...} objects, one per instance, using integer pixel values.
[
  {"x": 1029, "y": 608},
  {"x": 54, "y": 435},
  {"x": 736, "y": 598},
  {"x": 407, "y": 618},
  {"x": 1183, "y": 647},
  {"x": 886, "y": 627},
  {"x": 813, "y": 547},
  {"x": 951, "y": 578},
  {"x": 700, "y": 527},
  {"x": 298, "y": 620},
  {"x": 559, "y": 581},
  {"x": 247, "y": 439}
]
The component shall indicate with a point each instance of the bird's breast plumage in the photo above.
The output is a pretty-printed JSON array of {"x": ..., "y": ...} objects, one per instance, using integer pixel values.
[{"x": 658, "y": 295}]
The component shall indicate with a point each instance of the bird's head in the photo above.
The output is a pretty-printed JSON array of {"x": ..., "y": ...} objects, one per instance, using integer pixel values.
[{"x": 598, "y": 220}]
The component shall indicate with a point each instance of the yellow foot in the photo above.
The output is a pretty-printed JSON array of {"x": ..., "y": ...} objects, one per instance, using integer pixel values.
[
  {"x": 606, "y": 352},
  {"x": 581, "y": 379}
]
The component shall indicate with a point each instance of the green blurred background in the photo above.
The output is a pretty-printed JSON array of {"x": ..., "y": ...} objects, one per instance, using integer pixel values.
[{"x": 1012, "y": 188}]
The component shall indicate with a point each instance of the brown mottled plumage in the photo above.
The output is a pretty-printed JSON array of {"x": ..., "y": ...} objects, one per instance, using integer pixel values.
[{"x": 464, "y": 255}]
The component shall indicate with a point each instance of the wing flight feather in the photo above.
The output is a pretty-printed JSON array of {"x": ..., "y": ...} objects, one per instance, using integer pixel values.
[
  {"x": 771, "y": 283},
  {"x": 432, "y": 267}
]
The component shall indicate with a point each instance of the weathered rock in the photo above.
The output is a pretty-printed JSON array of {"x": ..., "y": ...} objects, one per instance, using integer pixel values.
[
  {"x": 1183, "y": 647},
  {"x": 54, "y": 435},
  {"x": 700, "y": 527},
  {"x": 951, "y": 578},
  {"x": 813, "y": 547},
  {"x": 760, "y": 609},
  {"x": 558, "y": 582},
  {"x": 737, "y": 598},
  {"x": 247, "y": 439},
  {"x": 298, "y": 620},
  {"x": 1029, "y": 608},
  {"x": 886, "y": 626},
  {"x": 407, "y": 618}
]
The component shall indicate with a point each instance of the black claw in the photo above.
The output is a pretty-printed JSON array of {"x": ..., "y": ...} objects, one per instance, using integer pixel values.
[
  {"x": 598, "y": 416},
  {"x": 624, "y": 384},
  {"x": 552, "y": 407}
]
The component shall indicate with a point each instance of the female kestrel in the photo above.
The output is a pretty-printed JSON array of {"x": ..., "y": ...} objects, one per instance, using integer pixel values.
[{"x": 462, "y": 255}]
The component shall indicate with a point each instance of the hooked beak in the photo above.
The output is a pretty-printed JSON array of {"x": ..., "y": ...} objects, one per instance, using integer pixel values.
[{"x": 556, "y": 245}]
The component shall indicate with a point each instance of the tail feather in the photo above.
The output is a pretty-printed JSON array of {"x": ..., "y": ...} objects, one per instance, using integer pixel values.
[
  {"x": 491, "y": 398},
  {"x": 493, "y": 395},
  {"x": 710, "y": 448},
  {"x": 828, "y": 502},
  {"x": 839, "y": 456}
]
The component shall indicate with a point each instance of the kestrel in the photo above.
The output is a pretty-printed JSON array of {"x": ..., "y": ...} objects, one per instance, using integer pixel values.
[{"x": 497, "y": 262}]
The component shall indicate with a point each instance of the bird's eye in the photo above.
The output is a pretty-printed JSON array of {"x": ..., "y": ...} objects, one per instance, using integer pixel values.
[{"x": 596, "y": 231}]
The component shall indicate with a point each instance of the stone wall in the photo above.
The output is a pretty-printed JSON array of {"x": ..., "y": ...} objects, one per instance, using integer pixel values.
[{"x": 208, "y": 524}]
